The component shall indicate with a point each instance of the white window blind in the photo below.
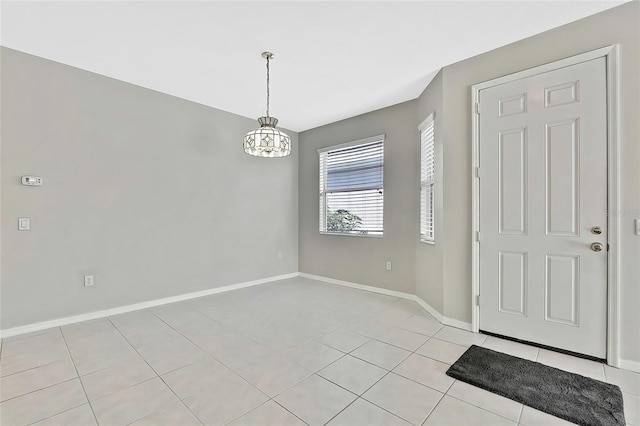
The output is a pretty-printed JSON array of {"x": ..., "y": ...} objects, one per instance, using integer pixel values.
[
  {"x": 351, "y": 187},
  {"x": 427, "y": 163}
]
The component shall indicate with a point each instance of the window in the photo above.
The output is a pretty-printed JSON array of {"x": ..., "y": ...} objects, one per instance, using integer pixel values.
[
  {"x": 427, "y": 163},
  {"x": 351, "y": 178}
]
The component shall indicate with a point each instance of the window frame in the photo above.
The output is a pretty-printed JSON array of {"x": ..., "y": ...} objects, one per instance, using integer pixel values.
[
  {"x": 323, "y": 194},
  {"x": 425, "y": 181}
]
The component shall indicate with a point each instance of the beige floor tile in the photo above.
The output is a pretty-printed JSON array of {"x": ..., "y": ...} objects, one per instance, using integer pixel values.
[
  {"x": 368, "y": 326},
  {"x": 489, "y": 401},
  {"x": 117, "y": 378},
  {"x": 36, "y": 378},
  {"x": 315, "y": 400},
  {"x": 452, "y": 412},
  {"x": 313, "y": 356},
  {"x": 460, "y": 337},
  {"x": 196, "y": 377},
  {"x": 79, "y": 416},
  {"x": 174, "y": 415},
  {"x": 18, "y": 363},
  {"x": 31, "y": 334},
  {"x": 46, "y": 342},
  {"x": 133, "y": 403},
  {"x": 353, "y": 374},
  {"x": 224, "y": 402},
  {"x": 275, "y": 375},
  {"x": 168, "y": 355},
  {"x": 401, "y": 338},
  {"x": 269, "y": 413},
  {"x": 344, "y": 340},
  {"x": 421, "y": 324},
  {"x": 631, "y": 408},
  {"x": 442, "y": 351},
  {"x": 85, "y": 329},
  {"x": 381, "y": 354},
  {"x": 403, "y": 397},
  {"x": 425, "y": 371},
  {"x": 38, "y": 405},
  {"x": 362, "y": 413},
  {"x": 94, "y": 355}
]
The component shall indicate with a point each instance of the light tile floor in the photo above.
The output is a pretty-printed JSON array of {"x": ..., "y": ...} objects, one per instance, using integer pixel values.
[{"x": 292, "y": 352}]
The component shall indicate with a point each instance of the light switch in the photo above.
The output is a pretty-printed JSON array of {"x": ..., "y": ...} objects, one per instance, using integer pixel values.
[
  {"x": 24, "y": 223},
  {"x": 637, "y": 226}
]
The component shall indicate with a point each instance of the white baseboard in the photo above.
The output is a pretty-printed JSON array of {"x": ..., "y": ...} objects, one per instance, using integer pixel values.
[
  {"x": 135, "y": 307},
  {"x": 430, "y": 309},
  {"x": 626, "y": 364},
  {"x": 457, "y": 323},
  {"x": 358, "y": 286},
  {"x": 427, "y": 307}
]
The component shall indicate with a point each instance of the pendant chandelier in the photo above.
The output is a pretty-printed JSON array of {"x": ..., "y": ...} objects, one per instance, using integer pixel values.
[{"x": 267, "y": 141}]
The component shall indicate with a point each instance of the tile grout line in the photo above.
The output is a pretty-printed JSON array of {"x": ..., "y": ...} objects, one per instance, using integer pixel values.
[
  {"x": 520, "y": 415},
  {"x": 226, "y": 366},
  {"x": 78, "y": 374},
  {"x": 157, "y": 375},
  {"x": 433, "y": 409},
  {"x": 37, "y": 390},
  {"x": 361, "y": 396},
  {"x": 286, "y": 409},
  {"x": 61, "y": 412},
  {"x": 203, "y": 350},
  {"x": 321, "y": 377},
  {"x": 484, "y": 409},
  {"x": 404, "y": 359},
  {"x": 32, "y": 368}
]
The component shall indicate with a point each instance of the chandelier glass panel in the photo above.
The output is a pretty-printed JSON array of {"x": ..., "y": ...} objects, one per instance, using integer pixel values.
[{"x": 267, "y": 141}]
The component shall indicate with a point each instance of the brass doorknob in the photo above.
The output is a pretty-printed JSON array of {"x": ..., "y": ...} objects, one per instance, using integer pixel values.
[
  {"x": 596, "y": 230},
  {"x": 596, "y": 246}
]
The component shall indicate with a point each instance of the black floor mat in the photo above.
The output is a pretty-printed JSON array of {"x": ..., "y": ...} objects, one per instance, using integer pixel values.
[{"x": 570, "y": 396}]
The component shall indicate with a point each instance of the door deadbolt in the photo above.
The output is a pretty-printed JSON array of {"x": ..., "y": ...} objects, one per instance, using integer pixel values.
[
  {"x": 596, "y": 230},
  {"x": 596, "y": 246}
]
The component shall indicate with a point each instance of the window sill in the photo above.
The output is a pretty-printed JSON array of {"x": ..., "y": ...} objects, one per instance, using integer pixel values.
[{"x": 351, "y": 235}]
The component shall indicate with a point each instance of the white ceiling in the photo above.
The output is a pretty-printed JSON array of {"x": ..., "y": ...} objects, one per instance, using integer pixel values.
[{"x": 333, "y": 59}]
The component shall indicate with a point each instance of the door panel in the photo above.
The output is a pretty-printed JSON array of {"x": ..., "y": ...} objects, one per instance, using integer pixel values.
[
  {"x": 543, "y": 185},
  {"x": 562, "y": 177},
  {"x": 513, "y": 181},
  {"x": 513, "y": 283},
  {"x": 562, "y": 285}
]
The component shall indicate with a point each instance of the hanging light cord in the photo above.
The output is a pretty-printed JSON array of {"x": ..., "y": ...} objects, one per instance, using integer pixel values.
[{"x": 267, "y": 86}]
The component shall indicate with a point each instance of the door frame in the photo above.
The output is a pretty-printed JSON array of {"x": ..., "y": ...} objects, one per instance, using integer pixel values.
[{"x": 610, "y": 53}]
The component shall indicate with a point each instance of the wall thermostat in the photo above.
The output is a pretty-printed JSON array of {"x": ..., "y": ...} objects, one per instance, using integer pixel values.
[{"x": 32, "y": 180}]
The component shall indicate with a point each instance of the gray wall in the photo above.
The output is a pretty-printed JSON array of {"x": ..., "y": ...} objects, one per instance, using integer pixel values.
[
  {"x": 150, "y": 193},
  {"x": 355, "y": 258},
  {"x": 617, "y": 25},
  {"x": 442, "y": 274},
  {"x": 430, "y": 257}
]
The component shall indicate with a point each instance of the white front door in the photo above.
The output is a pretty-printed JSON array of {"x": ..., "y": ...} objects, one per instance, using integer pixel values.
[{"x": 543, "y": 200}]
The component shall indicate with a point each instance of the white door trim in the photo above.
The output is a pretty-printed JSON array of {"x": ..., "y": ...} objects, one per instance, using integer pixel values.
[{"x": 613, "y": 196}]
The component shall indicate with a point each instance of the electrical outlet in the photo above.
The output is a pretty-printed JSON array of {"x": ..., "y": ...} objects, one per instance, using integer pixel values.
[
  {"x": 88, "y": 280},
  {"x": 388, "y": 265},
  {"x": 280, "y": 255}
]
